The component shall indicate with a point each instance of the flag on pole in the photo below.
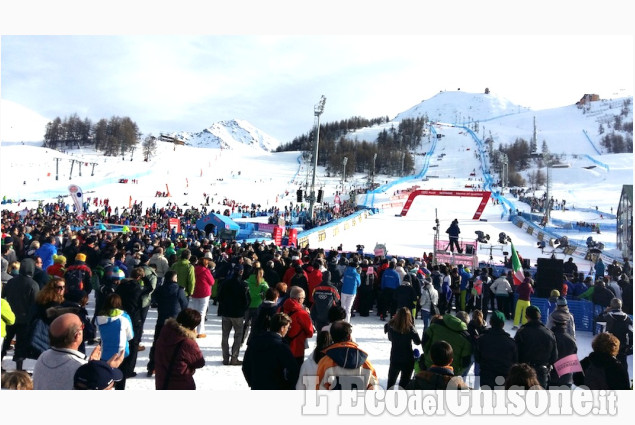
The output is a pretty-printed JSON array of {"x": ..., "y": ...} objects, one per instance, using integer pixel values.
[
  {"x": 517, "y": 268},
  {"x": 77, "y": 197}
]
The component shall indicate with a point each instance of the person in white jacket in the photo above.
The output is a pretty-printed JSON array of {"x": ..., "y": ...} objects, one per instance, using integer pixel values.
[
  {"x": 429, "y": 297},
  {"x": 502, "y": 291},
  {"x": 307, "y": 380}
]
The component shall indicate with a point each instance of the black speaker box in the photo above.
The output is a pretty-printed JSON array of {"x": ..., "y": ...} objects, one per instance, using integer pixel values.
[{"x": 548, "y": 276}]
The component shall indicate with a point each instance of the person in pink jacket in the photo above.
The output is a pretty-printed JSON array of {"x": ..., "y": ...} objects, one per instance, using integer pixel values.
[{"x": 202, "y": 291}]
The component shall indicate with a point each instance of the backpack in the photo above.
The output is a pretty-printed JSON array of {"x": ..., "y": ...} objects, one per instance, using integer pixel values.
[
  {"x": 74, "y": 279},
  {"x": 97, "y": 277}
]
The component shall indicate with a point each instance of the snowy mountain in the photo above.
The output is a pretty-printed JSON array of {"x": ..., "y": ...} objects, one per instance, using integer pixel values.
[
  {"x": 231, "y": 134},
  {"x": 459, "y": 106}
]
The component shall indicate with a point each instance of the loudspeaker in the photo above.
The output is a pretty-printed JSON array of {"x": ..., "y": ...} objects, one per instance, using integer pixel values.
[
  {"x": 298, "y": 194},
  {"x": 469, "y": 249},
  {"x": 548, "y": 276},
  {"x": 320, "y": 194}
]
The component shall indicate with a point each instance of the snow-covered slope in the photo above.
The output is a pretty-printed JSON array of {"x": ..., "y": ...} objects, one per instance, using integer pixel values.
[{"x": 20, "y": 124}]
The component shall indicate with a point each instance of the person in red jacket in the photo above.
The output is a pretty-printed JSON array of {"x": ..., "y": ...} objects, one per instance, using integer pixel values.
[
  {"x": 202, "y": 290},
  {"x": 315, "y": 278},
  {"x": 301, "y": 324}
]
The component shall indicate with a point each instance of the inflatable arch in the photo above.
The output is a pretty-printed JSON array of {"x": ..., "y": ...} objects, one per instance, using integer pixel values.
[{"x": 472, "y": 194}]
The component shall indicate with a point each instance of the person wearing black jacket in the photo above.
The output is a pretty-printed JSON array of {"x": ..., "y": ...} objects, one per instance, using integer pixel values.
[
  {"x": 600, "y": 369},
  {"x": 171, "y": 300},
  {"x": 20, "y": 292},
  {"x": 537, "y": 345},
  {"x": 132, "y": 293},
  {"x": 234, "y": 300},
  {"x": 402, "y": 333},
  {"x": 268, "y": 363},
  {"x": 566, "y": 346},
  {"x": 495, "y": 353}
]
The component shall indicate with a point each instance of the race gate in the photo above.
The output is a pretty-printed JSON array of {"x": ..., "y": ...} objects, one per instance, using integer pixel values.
[{"x": 471, "y": 194}]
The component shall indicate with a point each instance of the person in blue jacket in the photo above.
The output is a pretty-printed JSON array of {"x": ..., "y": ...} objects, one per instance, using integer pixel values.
[
  {"x": 350, "y": 282},
  {"x": 390, "y": 281}
]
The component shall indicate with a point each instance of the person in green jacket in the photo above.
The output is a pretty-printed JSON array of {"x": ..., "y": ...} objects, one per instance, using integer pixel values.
[
  {"x": 257, "y": 289},
  {"x": 186, "y": 278},
  {"x": 454, "y": 331}
]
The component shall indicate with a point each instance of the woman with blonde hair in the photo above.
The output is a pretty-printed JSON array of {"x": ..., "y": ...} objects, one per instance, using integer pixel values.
[
  {"x": 402, "y": 333},
  {"x": 47, "y": 301}
]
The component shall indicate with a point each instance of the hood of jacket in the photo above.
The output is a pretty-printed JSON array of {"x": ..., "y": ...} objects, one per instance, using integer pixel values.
[
  {"x": 179, "y": 330},
  {"x": 347, "y": 355},
  {"x": 27, "y": 267},
  {"x": 454, "y": 323}
]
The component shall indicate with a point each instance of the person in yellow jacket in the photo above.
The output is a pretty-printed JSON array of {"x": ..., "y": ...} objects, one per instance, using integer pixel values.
[{"x": 8, "y": 318}]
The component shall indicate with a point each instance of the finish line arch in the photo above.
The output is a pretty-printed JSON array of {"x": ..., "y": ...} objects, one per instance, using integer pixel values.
[{"x": 468, "y": 193}]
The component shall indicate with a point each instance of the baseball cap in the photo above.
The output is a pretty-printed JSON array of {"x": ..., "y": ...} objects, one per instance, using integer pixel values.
[{"x": 96, "y": 375}]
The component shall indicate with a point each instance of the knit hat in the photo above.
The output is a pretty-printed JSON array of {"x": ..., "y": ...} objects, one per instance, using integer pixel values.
[
  {"x": 80, "y": 257},
  {"x": 59, "y": 259},
  {"x": 75, "y": 295},
  {"x": 96, "y": 375},
  {"x": 497, "y": 317},
  {"x": 116, "y": 273},
  {"x": 561, "y": 301}
]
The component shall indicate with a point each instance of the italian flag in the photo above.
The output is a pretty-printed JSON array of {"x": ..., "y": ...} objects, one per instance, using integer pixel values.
[{"x": 518, "y": 274}]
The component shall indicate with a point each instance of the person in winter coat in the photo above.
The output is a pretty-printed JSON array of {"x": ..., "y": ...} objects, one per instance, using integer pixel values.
[
  {"x": 20, "y": 292},
  {"x": 466, "y": 276},
  {"x": 161, "y": 263},
  {"x": 453, "y": 330},
  {"x": 562, "y": 315},
  {"x": 8, "y": 318},
  {"x": 366, "y": 291},
  {"x": 185, "y": 272},
  {"x": 445, "y": 293},
  {"x": 389, "y": 283},
  {"x": 46, "y": 252},
  {"x": 524, "y": 290},
  {"x": 440, "y": 376},
  {"x": 48, "y": 299},
  {"x": 307, "y": 378},
  {"x": 257, "y": 288},
  {"x": 234, "y": 300},
  {"x": 402, "y": 334},
  {"x": 429, "y": 298},
  {"x": 405, "y": 295},
  {"x": 620, "y": 325},
  {"x": 350, "y": 282},
  {"x": 324, "y": 297},
  {"x": 314, "y": 275},
  {"x": 268, "y": 363},
  {"x": 600, "y": 369},
  {"x": 202, "y": 291},
  {"x": 599, "y": 269},
  {"x": 602, "y": 296},
  {"x": 177, "y": 353},
  {"x": 502, "y": 291},
  {"x": 116, "y": 330},
  {"x": 537, "y": 345},
  {"x": 171, "y": 300},
  {"x": 495, "y": 353},
  {"x": 301, "y": 324},
  {"x": 453, "y": 232},
  {"x": 58, "y": 267},
  {"x": 78, "y": 275},
  {"x": 566, "y": 346},
  {"x": 345, "y": 366}
]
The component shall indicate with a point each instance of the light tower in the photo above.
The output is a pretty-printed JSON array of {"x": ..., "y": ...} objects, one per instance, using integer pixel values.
[{"x": 318, "y": 109}]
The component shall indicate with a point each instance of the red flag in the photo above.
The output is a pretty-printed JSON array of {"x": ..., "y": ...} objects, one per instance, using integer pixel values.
[{"x": 517, "y": 268}]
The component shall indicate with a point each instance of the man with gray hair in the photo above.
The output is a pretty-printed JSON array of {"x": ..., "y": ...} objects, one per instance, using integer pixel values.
[
  {"x": 55, "y": 368},
  {"x": 621, "y": 326},
  {"x": 301, "y": 325}
]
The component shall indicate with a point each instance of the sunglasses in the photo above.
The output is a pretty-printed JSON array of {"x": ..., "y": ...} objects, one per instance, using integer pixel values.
[{"x": 57, "y": 288}]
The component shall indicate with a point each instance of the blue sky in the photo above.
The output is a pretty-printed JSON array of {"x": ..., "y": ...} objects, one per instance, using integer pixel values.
[{"x": 170, "y": 82}]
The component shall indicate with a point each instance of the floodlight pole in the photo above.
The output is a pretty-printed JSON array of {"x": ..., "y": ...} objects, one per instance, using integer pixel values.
[{"x": 317, "y": 110}]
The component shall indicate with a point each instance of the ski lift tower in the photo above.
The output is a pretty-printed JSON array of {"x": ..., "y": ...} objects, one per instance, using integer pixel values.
[{"x": 318, "y": 109}]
